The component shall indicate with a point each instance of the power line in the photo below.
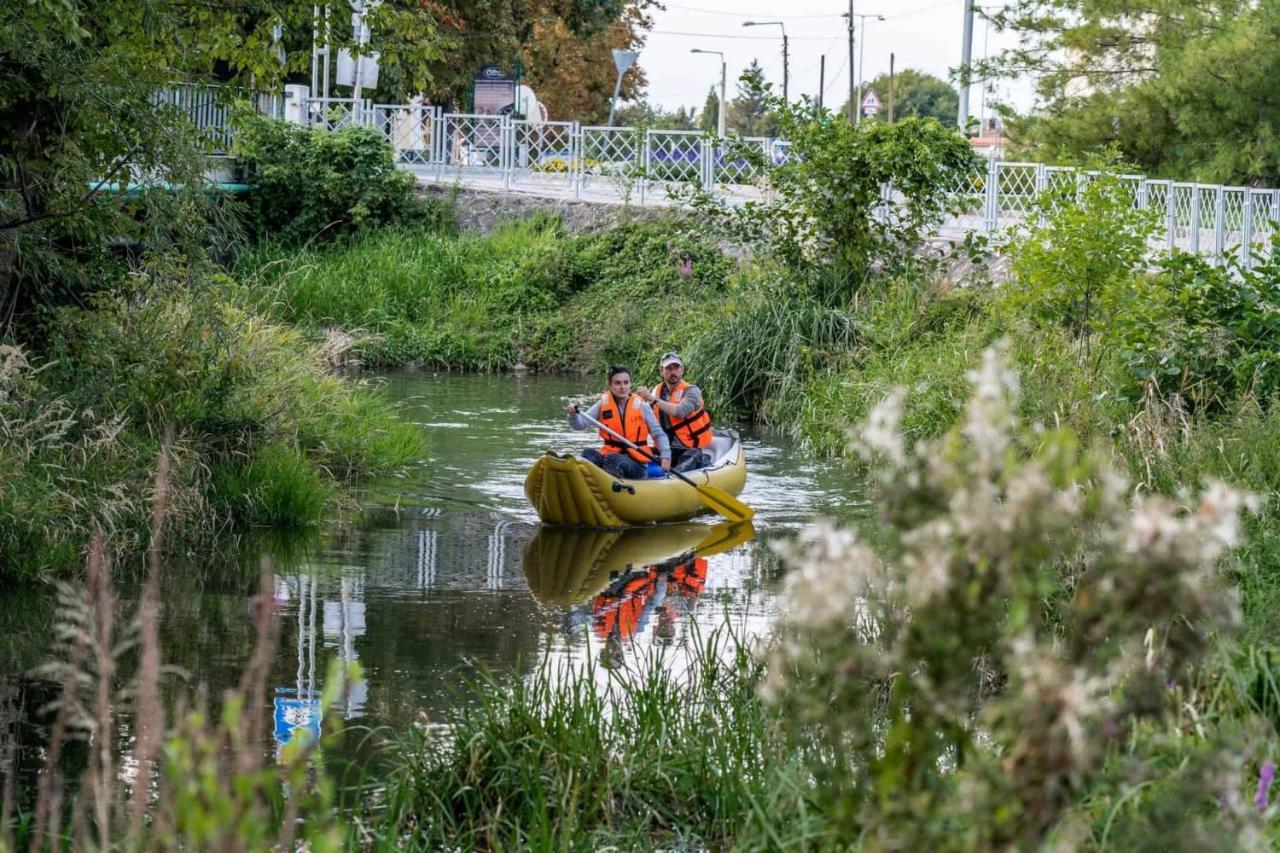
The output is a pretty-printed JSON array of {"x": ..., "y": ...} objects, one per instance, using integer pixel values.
[
  {"x": 728, "y": 36},
  {"x": 747, "y": 14},
  {"x": 901, "y": 14}
]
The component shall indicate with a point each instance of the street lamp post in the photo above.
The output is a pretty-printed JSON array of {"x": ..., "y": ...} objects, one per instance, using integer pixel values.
[
  {"x": 862, "y": 38},
  {"x": 785, "y": 60},
  {"x": 720, "y": 117}
]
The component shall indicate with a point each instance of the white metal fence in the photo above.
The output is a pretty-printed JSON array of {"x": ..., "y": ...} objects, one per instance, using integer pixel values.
[{"x": 647, "y": 166}]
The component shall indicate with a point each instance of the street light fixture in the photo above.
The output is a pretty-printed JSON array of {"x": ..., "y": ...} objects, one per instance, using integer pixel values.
[
  {"x": 862, "y": 47},
  {"x": 785, "y": 61},
  {"x": 720, "y": 117}
]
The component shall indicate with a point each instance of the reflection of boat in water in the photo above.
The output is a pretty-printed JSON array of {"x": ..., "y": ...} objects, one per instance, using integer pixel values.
[
  {"x": 626, "y": 574},
  {"x": 571, "y": 491},
  {"x": 566, "y": 566}
]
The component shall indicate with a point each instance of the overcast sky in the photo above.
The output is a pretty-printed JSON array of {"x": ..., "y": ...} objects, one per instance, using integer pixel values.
[{"x": 923, "y": 34}]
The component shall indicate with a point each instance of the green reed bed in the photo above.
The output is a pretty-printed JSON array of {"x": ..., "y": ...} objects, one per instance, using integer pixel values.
[
  {"x": 529, "y": 293},
  {"x": 261, "y": 430},
  {"x": 580, "y": 756}
]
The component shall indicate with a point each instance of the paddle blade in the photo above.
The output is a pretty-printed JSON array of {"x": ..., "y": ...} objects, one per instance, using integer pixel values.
[
  {"x": 720, "y": 501},
  {"x": 722, "y": 537}
]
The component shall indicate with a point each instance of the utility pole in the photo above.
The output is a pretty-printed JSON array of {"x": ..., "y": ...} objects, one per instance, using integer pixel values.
[
  {"x": 723, "y": 74},
  {"x": 822, "y": 78},
  {"x": 861, "y": 56},
  {"x": 785, "y": 58},
  {"x": 852, "y": 70},
  {"x": 966, "y": 56},
  {"x": 786, "y": 68},
  {"x": 891, "y": 85}
]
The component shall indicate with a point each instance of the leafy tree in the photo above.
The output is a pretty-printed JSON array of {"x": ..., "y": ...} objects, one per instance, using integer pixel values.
[
  {"x": 709, "y": 118},
  {"x": 572, "y": 70},
  {"x": 80, "y": 121},
  {"x": 916, "y": 93},
  {"x": 749, "y": 112},
  {"x": 563, "y": 45},
  {"x": 1182, "y": 89},
  {"x": 644, "y": 114},
  {"x": 825, "y": 211}
]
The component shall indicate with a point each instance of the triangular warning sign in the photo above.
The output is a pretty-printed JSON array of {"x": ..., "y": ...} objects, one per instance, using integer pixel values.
[{"x": 869, "y": 100}]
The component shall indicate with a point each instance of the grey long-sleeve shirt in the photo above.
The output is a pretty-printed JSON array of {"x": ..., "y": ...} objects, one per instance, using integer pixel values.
[
  {"x": 691, "y": 400},
  {"x": 578, "y": 422}
]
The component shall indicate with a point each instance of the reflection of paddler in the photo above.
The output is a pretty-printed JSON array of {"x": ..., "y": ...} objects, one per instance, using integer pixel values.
[{"x": 626, "y": 606}]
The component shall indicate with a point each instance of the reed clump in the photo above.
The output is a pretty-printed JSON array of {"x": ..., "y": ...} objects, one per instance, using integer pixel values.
[
  {"x": 198, "y": 776},
  {"x": 262, "y": 430},
  {"x": 581, "y": 756}
]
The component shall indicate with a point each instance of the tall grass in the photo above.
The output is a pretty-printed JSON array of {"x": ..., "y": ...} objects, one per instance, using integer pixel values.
[
  {"x": 197, "y": 779},
  {"x": 529, "y": 293},
  {"x": 421, "y": 296},
  {"x": 576, "y": 757},
  {"x": 262, "y": 429}
]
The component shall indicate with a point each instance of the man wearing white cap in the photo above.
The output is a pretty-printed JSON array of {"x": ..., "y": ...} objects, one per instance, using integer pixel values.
[{"x": 681, "y": 414}]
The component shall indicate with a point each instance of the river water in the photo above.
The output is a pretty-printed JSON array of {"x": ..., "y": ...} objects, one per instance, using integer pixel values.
[{"x": 445, "y": 571}]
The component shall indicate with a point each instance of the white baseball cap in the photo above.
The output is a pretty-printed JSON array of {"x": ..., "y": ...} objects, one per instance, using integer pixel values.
[{"x": 670, "y": 358}]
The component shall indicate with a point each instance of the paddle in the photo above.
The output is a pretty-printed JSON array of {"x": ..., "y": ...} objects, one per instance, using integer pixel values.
[{"x": 712, "y": 497}]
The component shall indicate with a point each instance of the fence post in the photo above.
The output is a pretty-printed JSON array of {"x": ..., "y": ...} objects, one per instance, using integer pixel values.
[
  {"x": 707, "y": 152},
  {"x": 1144, "y": 193},
  {"x": 1170, "y": 215},
  {"x": 576, "y": 158},
  {"x": 992, "y": 196},
  {"x": 507, "y": 151},
  {"x": 1246, "y": 232},
  {"x": 1219, "y": 224},
  {"x": 445, "y": 153},
  {"x": 644, "y": 165},
  {"x": 1195, "y": 219}
]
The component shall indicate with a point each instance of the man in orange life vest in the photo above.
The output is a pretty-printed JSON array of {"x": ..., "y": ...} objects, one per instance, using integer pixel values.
[
  {"x": 626, "y": 414},
  {"x": 679, "y": 408}
]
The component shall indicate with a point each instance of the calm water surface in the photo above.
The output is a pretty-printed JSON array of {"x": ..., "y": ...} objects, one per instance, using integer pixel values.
[{"x": 446, "y": 569}]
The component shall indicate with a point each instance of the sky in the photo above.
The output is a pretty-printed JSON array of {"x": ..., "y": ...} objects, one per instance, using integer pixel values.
[{"x": 923, "y": 34}]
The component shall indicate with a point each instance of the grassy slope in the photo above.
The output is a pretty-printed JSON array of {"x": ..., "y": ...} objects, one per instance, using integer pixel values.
[{"x": 528, "y": 293}]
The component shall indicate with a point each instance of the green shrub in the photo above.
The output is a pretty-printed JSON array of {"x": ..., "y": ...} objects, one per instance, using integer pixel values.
[
  {"x": 962, "y": 686},
  {"x": 310, "y": 183},
  {"x": 1209, "y": 334},
  {"x": 1077, "y": 267},
  {"x": 825, "y": 210}
]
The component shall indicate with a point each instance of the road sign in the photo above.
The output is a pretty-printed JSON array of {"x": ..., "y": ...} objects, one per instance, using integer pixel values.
[
  {"x": 870, "y": 103},
  {"x": 624, "y": 59}
]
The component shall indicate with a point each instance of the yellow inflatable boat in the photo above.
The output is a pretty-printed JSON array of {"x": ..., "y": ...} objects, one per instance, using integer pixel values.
[{"x": 571, "y": 491}]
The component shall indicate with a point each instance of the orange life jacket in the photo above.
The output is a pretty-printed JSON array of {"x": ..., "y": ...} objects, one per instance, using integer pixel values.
[
  {"x": 619, "y": 610},
  {"x": 630, "y": 424},
  {"x": 694, "y": 430},
  {"x": 690, "y": 577}
]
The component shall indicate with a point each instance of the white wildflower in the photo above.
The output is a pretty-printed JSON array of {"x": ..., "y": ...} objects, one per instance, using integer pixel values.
[
  {"x": 988, "y": 418},
  {"x": 880, "y": 436},
  {"x": 833, "y": 571},
  {"x": 1219, "y": 511}
]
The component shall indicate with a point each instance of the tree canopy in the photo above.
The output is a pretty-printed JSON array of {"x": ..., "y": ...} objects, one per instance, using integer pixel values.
[
  {"x": 709, "y": 118},
  {"x": 916, "y": 93},
  {"x": 1182, "y": 89},
  {"x": 563, "y": 45},
  {"x": 749, "y": 113}
]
